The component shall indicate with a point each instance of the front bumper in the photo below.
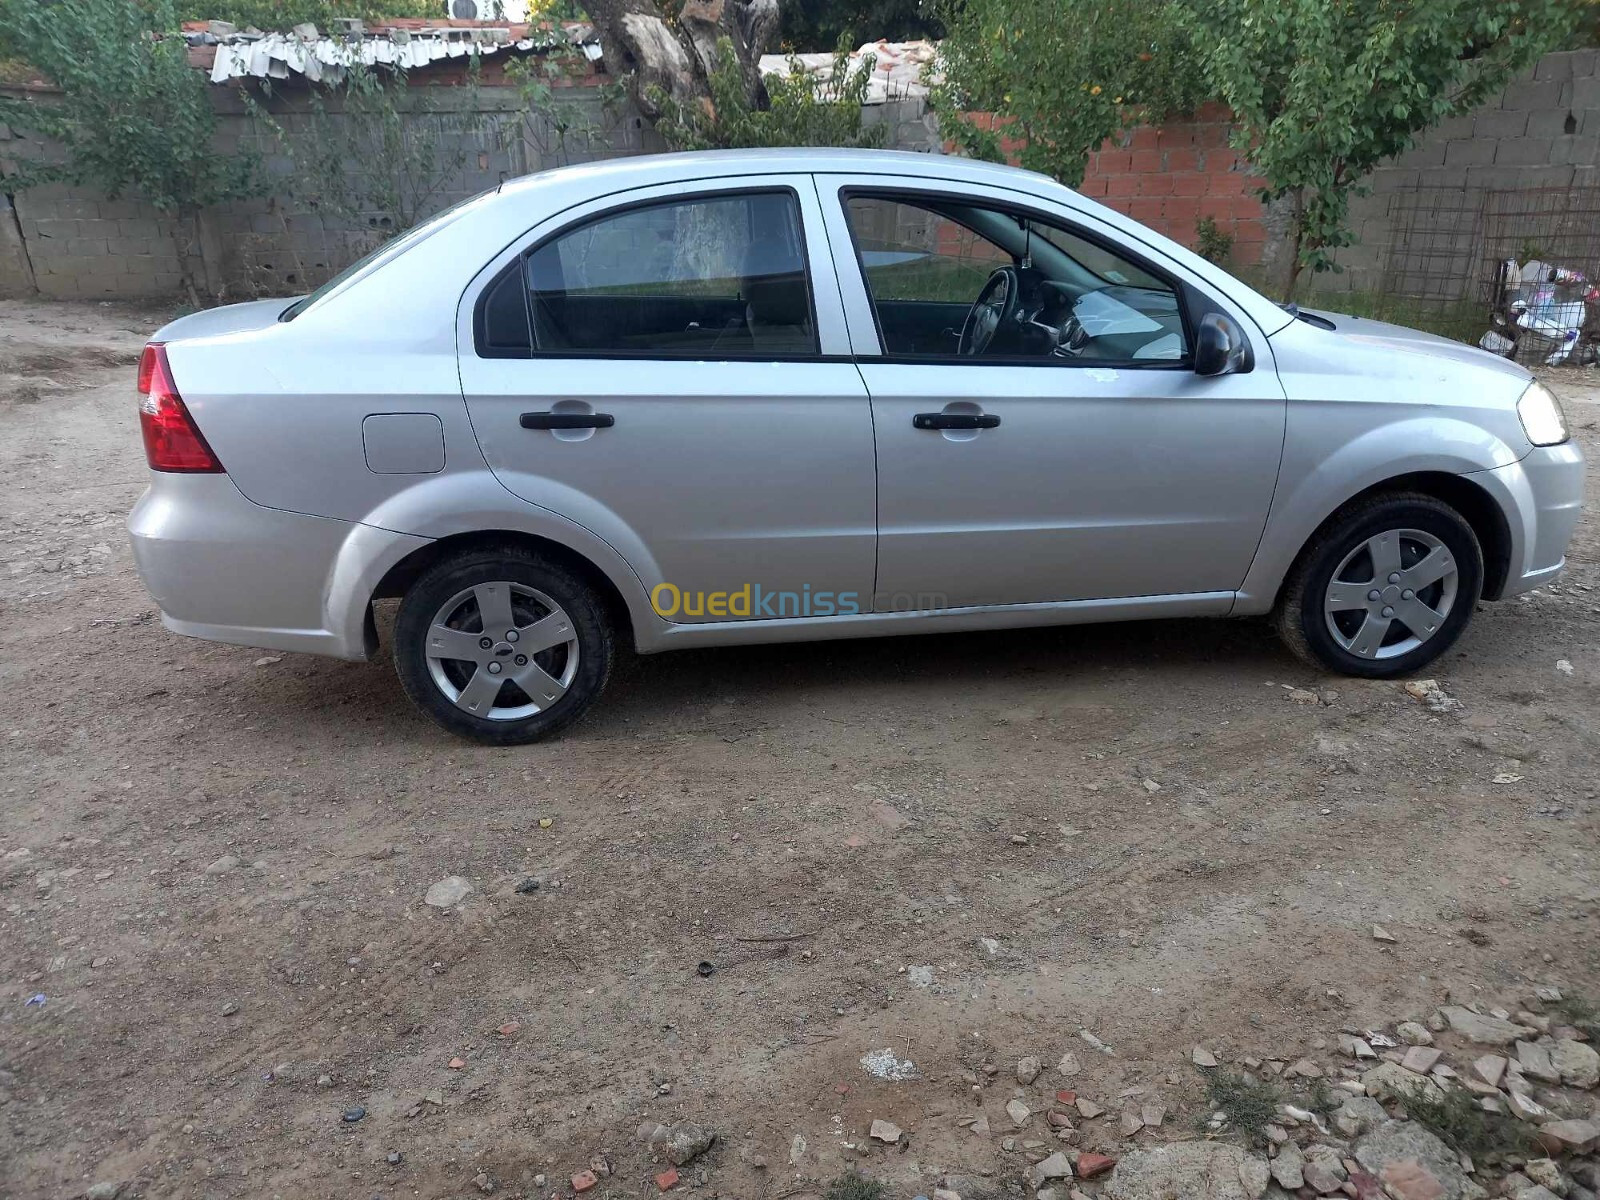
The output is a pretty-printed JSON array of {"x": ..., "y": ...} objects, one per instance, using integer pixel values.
[
  {"x": 1541, "y": 496},
  {"x": 226, "y": 569}
]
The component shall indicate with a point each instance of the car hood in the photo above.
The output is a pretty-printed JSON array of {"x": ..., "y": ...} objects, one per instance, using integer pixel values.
[
  {"x": 230, "y": 318},
  {"x": 1380, "y": 335}
]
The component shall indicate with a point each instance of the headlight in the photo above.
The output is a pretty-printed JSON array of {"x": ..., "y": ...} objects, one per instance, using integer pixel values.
[{"x": 1541, "y": 416}]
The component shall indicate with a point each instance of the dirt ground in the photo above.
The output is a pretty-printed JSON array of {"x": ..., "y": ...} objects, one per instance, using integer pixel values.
[{"x": 202, "y": 1034}]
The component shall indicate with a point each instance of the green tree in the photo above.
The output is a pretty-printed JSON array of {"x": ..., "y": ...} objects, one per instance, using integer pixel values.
[
  {"x": 1047, "y": 81},
  {"x": 1324, "y": 90},
  {"x": 132, "y": 116},
  {"x": 802, "y": 109}
]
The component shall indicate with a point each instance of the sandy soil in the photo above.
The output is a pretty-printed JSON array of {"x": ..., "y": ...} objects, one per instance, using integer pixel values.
[{"x": 866, "y": 797}]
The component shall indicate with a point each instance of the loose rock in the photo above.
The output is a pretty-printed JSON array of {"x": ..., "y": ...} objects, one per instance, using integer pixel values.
[
  {"x": 1577, "y": 1063},
  {"x": 1413, "y": 1034},
  {"x": 1534, "y": 1060},
  {"x": 1411, "y": 1163},
  {"x": 1485, "y": 1030},
  {"x": 1018, "y": 1112},
  {"x": 885, "y": 1131},
  {"x": 223, "y": 865},
  {"x": 1289, "y": 1168},
  {"x": 1192, "y": 1170},
  {"x": 1578, "y": 1137},
  {"x": 1028, "y": 1069},
  {"x": 1391, "y": 1081},
  {"x": 448, "y": 892},
  {"x": 1055, "y": 1166},
  {"x": 1201, "y": 1057},
  {"x": 685, "y": 1143}
]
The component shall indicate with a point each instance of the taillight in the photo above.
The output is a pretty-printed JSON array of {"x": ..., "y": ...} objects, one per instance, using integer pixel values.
[{"x": 172, "y": 441}]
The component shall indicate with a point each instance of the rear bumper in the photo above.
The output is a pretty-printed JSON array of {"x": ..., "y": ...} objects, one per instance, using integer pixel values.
[
  {"x": 1542, "y": 498},
  {"x": 228, "y": 570}
]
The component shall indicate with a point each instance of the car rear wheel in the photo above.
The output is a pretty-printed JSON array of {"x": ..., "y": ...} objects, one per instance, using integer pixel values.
[
  {"x": 1384, "y": 587},
  {"x": 502, "y": 646}
]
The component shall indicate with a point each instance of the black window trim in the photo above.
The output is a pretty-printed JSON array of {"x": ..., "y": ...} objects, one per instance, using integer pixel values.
[
  {"x": 521, "y": 257},
  {"x": 1192, "y": 303}
]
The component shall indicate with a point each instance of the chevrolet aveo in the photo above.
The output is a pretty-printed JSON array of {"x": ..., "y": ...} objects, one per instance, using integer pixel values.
[{"x": 711, "y": 399}]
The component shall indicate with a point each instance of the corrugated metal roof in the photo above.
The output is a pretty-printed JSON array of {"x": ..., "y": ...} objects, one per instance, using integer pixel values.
[{"x": 318, "y": 58}]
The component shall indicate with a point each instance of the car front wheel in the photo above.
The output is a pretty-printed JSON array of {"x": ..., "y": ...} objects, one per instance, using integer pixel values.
[
  {"x": 1384, "y": 587},
  {"x": 502, "y": 646}
]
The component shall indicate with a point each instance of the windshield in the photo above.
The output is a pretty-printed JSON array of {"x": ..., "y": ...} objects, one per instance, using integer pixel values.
[{"x": 388, "y": 251}]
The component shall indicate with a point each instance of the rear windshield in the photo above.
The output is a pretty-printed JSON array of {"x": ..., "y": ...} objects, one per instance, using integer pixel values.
[{"x": 387, "y": 252}]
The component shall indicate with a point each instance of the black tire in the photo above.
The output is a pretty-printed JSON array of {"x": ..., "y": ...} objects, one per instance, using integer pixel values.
[
  {"x": 595, "y": 642},
  {"x": 1299, "y": 616}
]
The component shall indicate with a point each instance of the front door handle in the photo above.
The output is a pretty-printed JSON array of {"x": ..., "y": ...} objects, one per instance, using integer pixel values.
[
  {"x": 954, "y": 420},
  {"x": 566, "y": 420}
]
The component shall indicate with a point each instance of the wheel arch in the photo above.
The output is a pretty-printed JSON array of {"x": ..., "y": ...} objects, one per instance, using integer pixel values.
[
  {"x": 1476, "y": 505},
  {"x": 399, "y": 577}
]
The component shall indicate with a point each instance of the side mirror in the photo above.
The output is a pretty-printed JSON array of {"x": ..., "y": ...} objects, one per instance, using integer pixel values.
[{"x": 1220, "y": 347}]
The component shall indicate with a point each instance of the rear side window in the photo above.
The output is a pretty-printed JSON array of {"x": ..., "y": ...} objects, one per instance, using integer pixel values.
[{"x": 710, "y": 277}]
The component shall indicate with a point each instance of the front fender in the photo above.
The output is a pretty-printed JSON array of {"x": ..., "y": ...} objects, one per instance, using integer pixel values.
[
  {"x": 440, "y": 506},
  {"x": 1313, "y": 483}
]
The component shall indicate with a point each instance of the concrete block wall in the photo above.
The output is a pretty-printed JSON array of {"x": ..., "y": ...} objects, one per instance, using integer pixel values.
[
  {"x": 82, "y": 245},
  {"x": 1544, "y": 130}
]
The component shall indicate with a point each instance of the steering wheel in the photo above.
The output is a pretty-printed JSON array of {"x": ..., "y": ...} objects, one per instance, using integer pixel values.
[{"x": 996, "y": 303}]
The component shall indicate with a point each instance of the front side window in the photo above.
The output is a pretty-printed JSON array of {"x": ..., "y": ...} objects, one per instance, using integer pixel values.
[
  {"x": 717, "y": 276},
  {"x": 958, "y": 280}
]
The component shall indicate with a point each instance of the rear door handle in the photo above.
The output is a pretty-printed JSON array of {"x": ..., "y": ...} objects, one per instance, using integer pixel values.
[
  {"x": 949, "y": 420},
  {"x": 566, "y": 420}
]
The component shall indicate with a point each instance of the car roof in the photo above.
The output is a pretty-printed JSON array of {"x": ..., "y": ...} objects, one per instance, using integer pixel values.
[{"x": 643, "y": 170}]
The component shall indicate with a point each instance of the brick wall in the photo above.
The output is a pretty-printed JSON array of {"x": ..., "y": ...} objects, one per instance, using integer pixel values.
[{"x": 1171, "y": 177}]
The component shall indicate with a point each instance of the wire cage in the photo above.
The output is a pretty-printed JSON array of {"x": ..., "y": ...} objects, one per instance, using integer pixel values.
[{"x": 1514, "y": 269}]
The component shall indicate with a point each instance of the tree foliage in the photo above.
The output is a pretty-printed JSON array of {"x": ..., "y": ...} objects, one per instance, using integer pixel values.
[
  {"x": 802, "y": 110},
  {"x": 131, "y": 116},
  {"x": 1324, "y": 90},
  {"x": 1059, "y": 76}
]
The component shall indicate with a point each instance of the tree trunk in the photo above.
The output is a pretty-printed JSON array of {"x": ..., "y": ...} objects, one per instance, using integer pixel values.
[
  {"x": 678, "y": 58},
  {"x": 1296, "y": 238}
]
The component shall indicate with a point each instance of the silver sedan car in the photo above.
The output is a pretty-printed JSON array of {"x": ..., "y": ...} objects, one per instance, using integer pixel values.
[{"x": 714, "y": 399}]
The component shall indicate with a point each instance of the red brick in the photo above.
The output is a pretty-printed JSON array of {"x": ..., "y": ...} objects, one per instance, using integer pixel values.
[
  {"x": 1144, "y": 137},
  {"x": 583, "y": 1181},
  {"x": 1145, "y": 208},
  {"x": 1093, "y": 185},
  {"x": 1181, "y": 211},
  {"x": 1066, "y": 1096},
  {"x": 1220, "y": 160},
  {"x": 1122, "y": 185},
  {"x": 1189, "y": 185},
  {"x": 1118, "y": 203},
  {"x": 1115, "y": 162},
  {"x": 668, "y": 1179},
  {"x": 1090, "y": 1165},
  {"x": 1247, "y": 254},
  {"x": 1155, "y": 185},
  {"x": 1146, "y": 162},
  {"x": 1246, "y": 207},
  {"x": 1183, "y": 158}
]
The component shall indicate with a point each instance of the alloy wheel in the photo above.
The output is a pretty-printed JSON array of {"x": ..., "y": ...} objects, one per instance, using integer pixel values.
[
  {"x": 502, "y": 651},
  {"x": 1391, "y": 593}
]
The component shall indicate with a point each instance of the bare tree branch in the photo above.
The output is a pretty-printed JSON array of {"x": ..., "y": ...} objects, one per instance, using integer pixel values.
[{"x": 677, "y": 56}]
